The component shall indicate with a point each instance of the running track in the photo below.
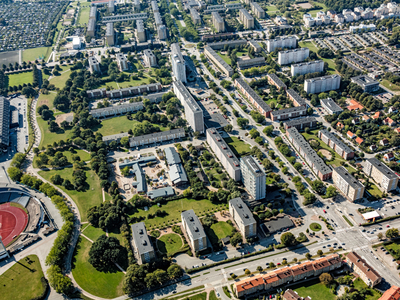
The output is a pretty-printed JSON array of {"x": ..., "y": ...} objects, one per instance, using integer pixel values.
[{"x": 13, "y": 221}]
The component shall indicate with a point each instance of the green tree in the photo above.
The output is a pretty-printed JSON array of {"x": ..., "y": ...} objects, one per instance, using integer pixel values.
[
  {"x": 236, "y": 239},
  {"x": 308, "y": 255},
  {"x": 298, "y": 166},
  {"x": 125, "y": 171},
  {"x": 106, "y": 251},
  {"x": 325, "y": 278},
  {"x": 309, "y": 198},
  {"x": 174, "y": 271},
  {"x": 288, "y": 239},
  {"x": 125, "y": 141},
  {"x": 254, "y": 133},
  {"x": 228, "y": 128},
  {"x": 320, "y": 252},
  {"x": 392, "y": 233},
  {"x": 259, "y": 268},
  {"x": 242, "y": 122},
  {"x": 247, "y": 272},
  {"x": 14, "y": 173},
  {"x": 58, "y": 281},
  {"x": 268, "y": 130}
]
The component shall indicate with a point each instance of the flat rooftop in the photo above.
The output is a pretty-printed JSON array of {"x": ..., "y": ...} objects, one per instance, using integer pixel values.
[
  {"x": 384, "y": 169},
  {"x": 344, "y": 174},
  {"x": 243, "y": 211}
]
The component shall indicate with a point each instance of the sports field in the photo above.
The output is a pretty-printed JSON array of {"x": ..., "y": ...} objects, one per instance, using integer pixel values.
[
  {"x": 9, "y": 57},
  {"x": 20, "y": 78},
  {"x": 13, "y": 221}
]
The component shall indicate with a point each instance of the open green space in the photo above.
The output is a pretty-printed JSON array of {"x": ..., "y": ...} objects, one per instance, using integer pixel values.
[
  {"x": 270, "y": 8},
  {"x": 374, "y": 190},
  {"x": 169, "y": 243},
  {"x": 46, "y": 100},
  {"x": 391, "y": 86},
  {"x": 23, "y": 280},
  {"x": 85, "y": 199},
  {"x": 84, "y": 11},
  {"x": 59, "y": 81},
  {"x": 119, "y": 85},
  {"x": 93, "y": 233},
  {"x": 20, "y": 78},
  {"x": 174, "y": 209},
  {"x": 85, "y": 156},
  {"x": 238, "y": 147},
  {"x": 49, "y": 137},
  {"x": 36, "y": 53},
  {"x": 315, "y": 290},
  {"x": 202, "y": 296},
  {"x": 312, "y": 47},
  {"x": 101, "y": 284},
  {"x": 227, "y": 59},
  {"x": 395, "y": 246},
  {"x": 222, "y": 229},
  {"x": 212, "y": 296},
  {"x": 315, "y": 227},
  {"x": 359, "y": 285}
]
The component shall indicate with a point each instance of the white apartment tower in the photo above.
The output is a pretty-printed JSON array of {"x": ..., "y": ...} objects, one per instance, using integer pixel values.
[
  {"x": 307, "y": 67},
  {"x": 194, "y": 230},
  {"x": 322, "y": 84},
  {"x": 347, "y": 184},
  {"x": 178, "y": 63},
  {"x": 246, "y": 18},
  {"x": 381, "y": 173},
  {"x": 122, "y": 62},
  {"x": 218, "y": 22},
  {"x": 253, "y": 177},
  {"x": 243, "y": 217},
  {"x": 140, "y": 31},
  {"x": 293, "y": 56},
  {"x": 281, "y": 42}
]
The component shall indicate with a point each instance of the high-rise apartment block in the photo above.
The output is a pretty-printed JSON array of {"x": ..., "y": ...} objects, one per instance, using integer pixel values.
[
  {"x": 140, "y": 31},
  {"x": 194, "y": 230},
  {"x": 381, "y": 173},
  {"x": 122, "y": 62},
  {"x": 224, "y": 154},
  {"x": 322, "y": 84},
  {"x": 307, "y": 67},
  {"x": 94, "y": 65},
  {"x": 281, "y": 42},
  {"x": 162, "y": 32},
  {"x": 195, "y": 16},
  {"x": 178, "y": 63},
  {"x": 91, "y": 28},
  {"x": 246, "y": 18},
  {"x": 257, "y": 10},
  {"x": 218, "y": 22},
  {"x": 110, "y": 34},
  {"x": 111, "y": 6},
  {"x": 347, "y": 184},
  {"x": 141, "y": 244},
  {"x": 193, "y": 112},
  {"x": 253, "y": 177},
  {"x": 293, "y": 56},
  {"x": 149, "y": 58},
  {"x": 243, "y": 217}
]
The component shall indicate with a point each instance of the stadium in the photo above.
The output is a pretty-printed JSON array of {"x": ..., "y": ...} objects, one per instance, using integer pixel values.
[{"x": 21, "y": 216}]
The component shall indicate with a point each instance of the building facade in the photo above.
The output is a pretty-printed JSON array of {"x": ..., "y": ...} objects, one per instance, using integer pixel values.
[
  {"x": 140, "y": 31},
  {"x": 322, "y": 84},
  {"x": 288, "y": 113},
  {"x": 218, "y": 61},
  {"x": 243, "y": 217},
  {"x": 194, "y": 230},
  {"x": 149, "y": 58},
  {"x": 293, "y": 56},
  {"x": 330, "y": 106},
  {"x": 94, "y": 65},
  {"x": 301, "y": 124},
  {"x": 141, "y": 244},
  {"x": 336, "y": 144},
  {"x": 246, "y": 18},
  {"x": 367, "y": 83},
  {"x": 281, "y": 42},
  {"x": 347, "y": 184},
  {"x": 110, "y": 34},
  {"x": 122, "y": 62},
  {"x": 363, "y": 269},
  {"x": 257, "y": 10},
  {"x": 253, "y": 177},
  {"x": 307, "y": 67},
  {"x": 157, "y": 137},
  {"x": 218, "y": 22},
  {"x": 381, "y": 173},
  {"x": 178, "y": 63}
]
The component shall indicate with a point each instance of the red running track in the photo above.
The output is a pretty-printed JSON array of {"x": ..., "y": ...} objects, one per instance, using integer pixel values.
[{"x": 13, "y": 221}]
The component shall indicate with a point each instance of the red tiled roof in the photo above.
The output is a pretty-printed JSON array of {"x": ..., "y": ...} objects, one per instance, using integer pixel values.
[
  {"x": 363, "y": 266},
  {"x": 359, "y": 140},
  {"x": 391, "y": 294}
]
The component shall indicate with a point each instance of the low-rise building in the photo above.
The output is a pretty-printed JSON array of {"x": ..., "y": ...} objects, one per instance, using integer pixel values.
[
  {"x": 243, "y": 217},
  {"x": 252, "y": 62},
  {"x": 149, "y": 58},
  {"x": 218, "y": 61},
  {"x": 391, "y": 294},
  {"x": 161, "y": 193},
  {"x": 367, "y": 83},
  {"x": 114, "y": 137},
  {"x": 225, "y": 155},
  {"x": 296, "y": 98},
  {"x": 336, "y": 144},
  {"x": 194, "y": 230},
  {"x": 292, "y": 295},
  {"x": 126, "y": 92},
  {"x": 255, "y": 45},
  {"x": 381, "y": 173},
  {"x": 363, "y": 269},
  {"x": 141, "y": 244},
  {"x": 389, "y": 156},
  {"x": 157, "y": 137},
  {"x": 330, "y": 106},
  {"x": 288, "y": 113},
  {"x": 301, "y": 123},
  {"x": 253, "y": 177},
  {"x": 388, "y": 121},
  {"x": 276, "y": 81},
  {"x": 347, "y": 184},
  {"x": 322, "y": 84},
  {"x": 246, "y": 18},
  {"x": 176, "y": 172}
]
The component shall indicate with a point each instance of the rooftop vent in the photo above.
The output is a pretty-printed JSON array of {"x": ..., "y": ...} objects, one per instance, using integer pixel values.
[
  {"x": 191, "y": 219},
  {"x": 196, "y": 229},
  {"x": 144, "y": 243}
]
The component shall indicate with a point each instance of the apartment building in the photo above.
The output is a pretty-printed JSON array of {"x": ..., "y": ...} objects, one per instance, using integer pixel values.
[
  {"x": 391, "y": 294},
  {"x": 218, "y": 61},
  {"x": 157, "y": 137},
  {"x": 246, "y": 18},
  {"x": 116, "y": 110},
  {"x": 140, "y": 31},
  {"x": 91, "y": 28},
  {"x": 194, "y": 230},
  {"x": 296, "y": 98},
  {"x": 316, "y": 163},
  {"x": 193, "y": 112},
  {"x": 253, "y": 177},
  {"x": 178, "y": 63},
  {"x": 231, "y": 44},
  {"x": 281, "y": 42},
  {"x": 243, "y": 217},
  {"x": 307, "y": 67},
  {"x": 154, "y": 6},
  {"x": 367, "y": 83},
  {"x": 141, "y": 244},
  {"x": 347, "y": 184},
  {"x": 293, "y": 56},
  {"x": 330, "y": 106},
  {"x": 253, "y": 97},
  {"x": 122, "y": 62},
  {"x": 158, "y": 19},
  {"x": 94, "y": 65},
  {"x": 322, "y": 84},
  {"x": 224, "y": 154},
  {"x": 256, "y": 46},
  {"x": 162, "y": 32},
  {"x": 381, "y": 173},
  {"x": 275, "y": 80},
  {"x": 218, "y": 22},
  {"x": 301, "y": 124},
  {"x": 195, "y": 16},
  {"x": 288, "y": 113},
  {"x": 93, "y": 13},
  {"x": 363, "y": 269},
  {"x": 257, "y": 10},
  {"x": 336, "y": 144},
  {"x": 111, "y": 6},
  {"x": 279, "y": 277},
  {"x": 129, "y": 92},
  {"x": 110, "y": 34},
  {"x": 252, "y": 62},
  {"x": 149, "y": 58}
]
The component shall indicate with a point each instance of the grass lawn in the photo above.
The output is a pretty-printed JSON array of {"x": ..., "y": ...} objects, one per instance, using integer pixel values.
[
  {"x": 93, "y": 233},
  {"x": 222, "y": 229},
  {"x": 117, "y": 125},
  {"x": 395, "y": 246},
  {"x": 22, "y": 280},
  {"x": 374, "y": 191},
  {"x": 315, "y": 290},
  {"x": 212, "y": 296},
  {"x": 238, "y": 147},
  {"x": 84, "y": 14},
  {"x": 105, "y": 285},
  {"x": 202, "y": 296},
  {"x": 47, "y": 99},
  {"x": 59, "y": 81},
  {"x": 312, "y": 47},
  {"x": 50, "y": 137},
  {"x": 174, "y": 209},
  {"x": 225, "y": 58},
  {"x": 386, "y": 83},
  {"x": 82, "y": 154},
  {"x": 270, "y": 8},
  {"x": 20, "y": 78},
  {"x": 36, "y": 53},
  {"x": 315, "y": 227},
  {"x": 359, "y": 284},
  {"x": 84, "y": 200},
  {"x": 169, "y": 243}
]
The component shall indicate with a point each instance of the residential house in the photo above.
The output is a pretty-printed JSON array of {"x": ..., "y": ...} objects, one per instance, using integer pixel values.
[
  {"x": 366, "y": 118},
  {"x": 355, "y": 121},
  {"x": 340, "y": 125},
  {"x": 292, "y": 295},
  {"x": 377, "y": 115},
  {"x": 388, "y": 121},
  {"x": 372, "y": 147},
  {"x": 392, "y": 110},
  {"x": 359, "y": 140},
  {"x": 384, "y": 142},
  {"x": 391, "y": 294},
  {"x": 351, "y": 135},
  {"x": 397, "y": 129},
  {"x": 388, "y": 156}
]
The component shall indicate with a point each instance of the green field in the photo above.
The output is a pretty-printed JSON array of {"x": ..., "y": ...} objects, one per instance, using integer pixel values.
[
  {"x": 374, "y": 190},
  {"x": 93, "y": 233},
  {"x": 271, "y": 8},
  {"x": 312, "y": 47},
  {"x": 174, "y": 210},
  {"x": 222, "y": 229},
  {"x": 84, "y": 200},
  {"x": 59, "y": 81},
  {"x": 314, "y": 11},
  {"x": 227, "y": 59},
  {"x": 20, "y": 78},
  {"x": 85, "y": 156},
  {"x": 315, "y": 290},
  {"x": 46, "y": 99},
  {"x": 169, "y": 243},
  {"x": 119, "y": 85},
  {"x": 238, "y": 147},
  {"x": 315, "y": 227},
  {"x": 391, "y": 86},
  {"x": 50, "y": 137},
  {"x": 36, "y": 53},
  {"x": 84, "y": 11},
  {"x": 105, "y": 285},
  {"x": 359, "y": 284},
  {"x": 22, "y": 280},
  {"x": 212, "y": 296},
  {"x": 395, "y": 246}
]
